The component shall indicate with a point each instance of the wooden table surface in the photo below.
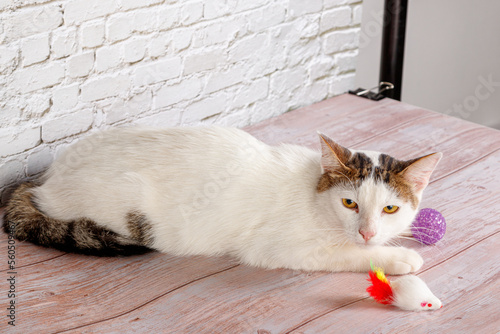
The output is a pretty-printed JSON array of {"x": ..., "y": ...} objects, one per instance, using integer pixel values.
[{"x": 158, "y": 293}]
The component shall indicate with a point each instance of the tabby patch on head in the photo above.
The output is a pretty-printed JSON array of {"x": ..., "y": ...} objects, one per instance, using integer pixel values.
[
  {"x": 342, "y": 166},
  {"x": 390, "y": 171}
]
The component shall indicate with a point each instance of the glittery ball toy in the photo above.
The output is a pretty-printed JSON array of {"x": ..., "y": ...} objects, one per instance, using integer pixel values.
[{"x": 429, "y": 226}]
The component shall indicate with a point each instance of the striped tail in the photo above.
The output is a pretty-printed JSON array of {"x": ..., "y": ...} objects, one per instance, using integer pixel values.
[{"x": 25, "y": 222}]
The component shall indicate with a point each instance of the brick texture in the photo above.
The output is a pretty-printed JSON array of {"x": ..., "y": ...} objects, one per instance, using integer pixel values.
[{"x": 70, "y": 67}]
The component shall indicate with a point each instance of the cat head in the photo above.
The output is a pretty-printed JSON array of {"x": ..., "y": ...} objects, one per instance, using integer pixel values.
[{"x": 374, "y": 195}]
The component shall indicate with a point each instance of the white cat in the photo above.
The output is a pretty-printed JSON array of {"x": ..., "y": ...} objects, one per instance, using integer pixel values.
[{"x": 214, "y": 191}]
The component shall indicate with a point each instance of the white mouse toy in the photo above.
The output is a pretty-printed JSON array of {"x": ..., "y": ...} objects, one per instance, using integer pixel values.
[{"x": 408, "y": 292}]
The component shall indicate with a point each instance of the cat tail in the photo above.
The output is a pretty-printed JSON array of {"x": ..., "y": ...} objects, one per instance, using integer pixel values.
[{"x": 25, "y": 222}]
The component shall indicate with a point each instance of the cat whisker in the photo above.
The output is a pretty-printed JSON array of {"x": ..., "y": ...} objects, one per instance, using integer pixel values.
[
  {"x": 393, "y": 242},
  {"x": 418, "y": 228},
  {"x": 406, "y": 238},
  {"x": 344, "y": 243},
  {"x": 438, "y": 249},
  {"x": 326, "y": 229}
]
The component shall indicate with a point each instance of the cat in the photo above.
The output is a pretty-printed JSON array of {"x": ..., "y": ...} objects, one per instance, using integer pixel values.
[{"x": 220, "y": 191}]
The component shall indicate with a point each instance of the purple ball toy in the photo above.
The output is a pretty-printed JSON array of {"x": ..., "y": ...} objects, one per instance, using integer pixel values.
[{"x": 429, "y": 226}]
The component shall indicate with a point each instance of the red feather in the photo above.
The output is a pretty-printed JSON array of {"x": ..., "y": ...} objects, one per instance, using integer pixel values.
[{"x": 380, "y": 291}]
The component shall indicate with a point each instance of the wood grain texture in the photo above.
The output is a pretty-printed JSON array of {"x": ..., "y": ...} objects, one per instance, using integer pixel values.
[
  {"x": 159, "y": 293},
  {"x": 79, "y": 290},
  {"x": 342, "y": 118}
]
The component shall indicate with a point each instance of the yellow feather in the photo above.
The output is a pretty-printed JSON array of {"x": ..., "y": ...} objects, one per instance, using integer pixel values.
[{"x": 380, "y": 274}]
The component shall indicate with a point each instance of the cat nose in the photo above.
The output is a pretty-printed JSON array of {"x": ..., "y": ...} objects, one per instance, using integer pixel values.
[{"x": 367, "y": 234}]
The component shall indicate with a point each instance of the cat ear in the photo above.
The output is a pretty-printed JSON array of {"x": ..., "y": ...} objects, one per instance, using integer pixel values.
[
  {"x": 419, "y": 171},
  {"x": 333, "y": 155}
]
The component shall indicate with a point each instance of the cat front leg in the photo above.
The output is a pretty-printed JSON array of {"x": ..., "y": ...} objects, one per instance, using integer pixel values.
[
  {"x": 394, "y": 260},
  {"x": 397, "y": 260}
]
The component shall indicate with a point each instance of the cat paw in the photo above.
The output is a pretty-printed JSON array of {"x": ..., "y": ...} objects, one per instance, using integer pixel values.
[{"x": 404, "y": 261}]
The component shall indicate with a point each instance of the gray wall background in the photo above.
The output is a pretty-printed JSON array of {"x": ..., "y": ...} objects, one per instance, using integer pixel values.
[{"x": 452, "y": 56}]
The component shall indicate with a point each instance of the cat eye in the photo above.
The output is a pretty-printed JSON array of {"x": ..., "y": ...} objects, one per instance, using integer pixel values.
[
  {"x": 349, "y": 203},
  {"x": 391, "y": 208}
]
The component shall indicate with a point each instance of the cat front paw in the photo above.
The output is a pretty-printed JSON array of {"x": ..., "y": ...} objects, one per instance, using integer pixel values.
[{"x": 404, "y": 261}]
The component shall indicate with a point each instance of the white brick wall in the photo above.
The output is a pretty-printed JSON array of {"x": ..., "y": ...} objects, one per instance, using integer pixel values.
[{"x": 70, "y": 67}]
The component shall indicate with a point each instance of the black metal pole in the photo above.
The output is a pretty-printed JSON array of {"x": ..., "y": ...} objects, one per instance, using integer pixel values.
[{"x": 393, "y": 45}]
